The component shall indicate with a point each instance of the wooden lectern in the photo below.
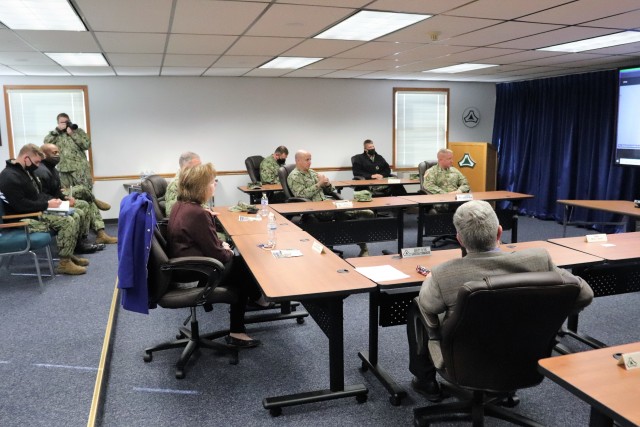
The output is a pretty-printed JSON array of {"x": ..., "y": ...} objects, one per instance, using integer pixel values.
[{"x": 478, "y": 161}]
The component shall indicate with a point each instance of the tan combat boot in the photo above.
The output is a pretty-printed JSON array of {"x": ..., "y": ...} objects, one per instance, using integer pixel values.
[
  {"x": 103, "y": 237},
  {"x": 103, "y": 206},
  {"x": 82, "y": 262},
  {"x": 364, "y": 251},
  {"x": 67, "y": 266}
]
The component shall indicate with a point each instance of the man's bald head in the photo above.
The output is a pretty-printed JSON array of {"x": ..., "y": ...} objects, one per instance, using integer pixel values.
[{"x": 303, "y": 160}]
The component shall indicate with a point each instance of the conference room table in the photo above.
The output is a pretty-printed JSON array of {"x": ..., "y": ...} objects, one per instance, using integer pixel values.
[
  {"x": 595, "y": 377},
  {"x": 426, "y": 201},
  {"x": 619, "y": 274},
  {"x": 256, "y": 193},
  {"x": 321, "y": 281},
  {"x": 332, "y": 233},
  {"x": 621, "y": 207},
  {"x": 389, "y": 303},
  {"x": 237, "y": 223},
  {"x": 339, "y": 185}
]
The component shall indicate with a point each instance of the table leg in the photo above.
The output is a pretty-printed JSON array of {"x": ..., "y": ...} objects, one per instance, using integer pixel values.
[
  {"x": 400, "y": 218},
  {"x": 334, "y": 329},
  {"x": 565, "y": 219},
  {"x": 421, "y": 213},
  {"x": 598, "y": 419}
]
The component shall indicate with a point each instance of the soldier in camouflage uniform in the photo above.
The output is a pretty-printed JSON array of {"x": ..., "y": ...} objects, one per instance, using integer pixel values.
[
  {"x": 171, "y": 194},
  {"x": 52, "y": 185},
  {"x": 21, "y": 192},
  {"x": 305, "y": 182},
  {"x": 443, "y": 178},
  {"x": 75, "y": 171},
  {"x": 269, "y": 171}
]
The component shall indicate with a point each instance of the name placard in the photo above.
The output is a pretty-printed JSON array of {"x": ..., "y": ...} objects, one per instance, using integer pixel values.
[
  {"x": 464, "y": 197},
  {"x": 593, "y": 238},
  {"x": 393, "y": 180},
  {"x": 414, "y": 252},
  {"x": 343, "y": 204},
  {"x": 317, "y": 247},
  {"x": 630, "y": 360}
]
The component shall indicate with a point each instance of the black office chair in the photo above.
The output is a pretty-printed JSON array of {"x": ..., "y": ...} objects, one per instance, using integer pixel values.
[
  {"x": 164, "y": 274},
  {"x": 252, "y": 163},
  {"x": 490, "y": 345},
  {"x": 438, "y": 225},
  {"x": 156, "y": 187},
  {"x": 283, "y": 174}
]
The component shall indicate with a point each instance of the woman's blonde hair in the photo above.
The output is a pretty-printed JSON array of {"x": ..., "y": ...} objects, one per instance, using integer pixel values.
[{"x": 194, "y": 182}]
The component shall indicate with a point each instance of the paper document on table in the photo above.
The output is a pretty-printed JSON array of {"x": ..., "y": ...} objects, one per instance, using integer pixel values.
[
  {"x": 381, "y": 273},
  {"x": 248, "y": 218},
  {"x": 64, "y": 207},
  {"x": 286, "y": 253}
]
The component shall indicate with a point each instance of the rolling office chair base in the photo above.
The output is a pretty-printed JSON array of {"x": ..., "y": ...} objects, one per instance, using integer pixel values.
[{"x": 191, "y": 341}]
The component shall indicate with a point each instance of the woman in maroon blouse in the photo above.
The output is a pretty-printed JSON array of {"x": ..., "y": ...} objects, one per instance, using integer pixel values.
[{"x": 192, "y": 232}]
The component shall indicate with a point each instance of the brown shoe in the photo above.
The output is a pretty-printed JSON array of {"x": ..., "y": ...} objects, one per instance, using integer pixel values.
[
  {"x": 67, "y": 266},
  {"x": 82, "y": 262},
  {"x": 103, "y": 237},
  {"x": 103, "y": 206}
]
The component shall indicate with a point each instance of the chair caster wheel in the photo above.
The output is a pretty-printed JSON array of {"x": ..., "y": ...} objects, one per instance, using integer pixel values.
[
  {"x": 180, "y": 374},
  {"x": 300, "y": 320},
  {"x": 395, "y": 400},
  {"x": 361, "y": 398},
  {"x": 364, "y": 367},
  {"x": 275, "y": 412},
  {"x": 148, "y": 357}
]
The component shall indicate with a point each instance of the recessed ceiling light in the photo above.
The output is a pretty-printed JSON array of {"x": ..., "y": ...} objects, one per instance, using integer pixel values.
[
  {"x": 79, "y": 59},
  {"x": 460, "y": 68},
  {"x": 40, "y": 15},
  {"x": 367, "y": 25},
  {"x": 596, "y": 42},
  {"x": 290, "y": 62}
]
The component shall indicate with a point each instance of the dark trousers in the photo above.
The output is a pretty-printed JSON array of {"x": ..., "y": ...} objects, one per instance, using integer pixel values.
[
  {"x": 238, "y": 277},
  {"x": 420, "y": 363}
]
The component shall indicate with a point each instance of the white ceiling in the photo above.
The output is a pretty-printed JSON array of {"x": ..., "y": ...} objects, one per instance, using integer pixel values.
[{"x": 235, "y": 37}]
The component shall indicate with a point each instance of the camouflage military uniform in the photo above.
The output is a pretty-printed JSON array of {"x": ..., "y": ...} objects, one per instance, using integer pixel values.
[
  {"x": 441, "y": 181},
  {"x": 171, "y": 195},
  {"x": 303, "y": 184},
  {"x": 67, "y": 230},
  {"x": 269, "y": 170},
  {"x": 74, "y": 167}
]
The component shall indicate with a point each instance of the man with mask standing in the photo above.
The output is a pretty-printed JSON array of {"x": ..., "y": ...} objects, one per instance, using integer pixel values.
[
  {"x": 75, "y": 171},
  {"x": 52, "y": 185},
  {"x": 21, "y": 193},
  {"x": 371, "y": 165}
]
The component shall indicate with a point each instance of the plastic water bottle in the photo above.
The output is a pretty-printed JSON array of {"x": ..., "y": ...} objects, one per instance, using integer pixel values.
[
  {"x": 264, "y": 202},
  {"x": 272, "y": 226}
]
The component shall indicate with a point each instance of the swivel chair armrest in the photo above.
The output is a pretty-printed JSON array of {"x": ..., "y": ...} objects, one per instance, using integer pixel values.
[
  {"x": 14, "y": 225},
  {"x": 201, "y": 264},
  {"x": 431, "y": 324},
  {"x": 22, "y": 216},
  {"x": 297, "y": 200},
  {"x": 334, "y": 196}
]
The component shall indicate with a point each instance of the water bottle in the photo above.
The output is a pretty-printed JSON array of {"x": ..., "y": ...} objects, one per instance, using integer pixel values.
[
  {"x": 272, "y": 226},
  {"x": 264, "y": 202}
]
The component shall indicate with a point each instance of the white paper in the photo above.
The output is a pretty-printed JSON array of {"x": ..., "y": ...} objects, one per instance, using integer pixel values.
[
  {"x": 248, "y": 218},
  {"x": 64, "y": 207},
  {"x": 382, "y": 273},
  {"x": 286, "y": 253}
]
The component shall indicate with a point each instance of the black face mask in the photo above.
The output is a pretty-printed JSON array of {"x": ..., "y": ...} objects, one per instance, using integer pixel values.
[
  {"x": 281, "y": 162},
  {"x": 52, "y": 161},
  {"x": 32, "y": 167},
  {"x": 372, "y": 152}
]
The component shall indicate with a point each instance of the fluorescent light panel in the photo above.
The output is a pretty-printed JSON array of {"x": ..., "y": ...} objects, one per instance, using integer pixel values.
[
  {"x": 289, "y": 62},
  {"x": 40, "y": 15},
  {"x": 367, "y": 25},
  {"x": 79, "y": 59},
  {"x": 460, "y": 68},
  {"x": 596, "y": 42}
]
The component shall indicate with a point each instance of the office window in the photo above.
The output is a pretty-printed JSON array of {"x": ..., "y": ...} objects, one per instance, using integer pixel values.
[
  {"x": 32, "y": 110},
  {"x": 420, "y": 125}
]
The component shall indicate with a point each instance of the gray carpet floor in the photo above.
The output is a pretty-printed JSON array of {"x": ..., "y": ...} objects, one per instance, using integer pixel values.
[{"x": 51, "y": 345}]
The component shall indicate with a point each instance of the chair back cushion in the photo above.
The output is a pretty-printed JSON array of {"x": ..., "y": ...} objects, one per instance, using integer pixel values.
[
  {"x": 252, "y": 163},
  {"x": 502, "y": 326},
  {"x": 156, "y": 186},
  {"x": 158, "y": 281},
  {"x": 283, "y": 174},
  {"x": 422, "y": 168}
]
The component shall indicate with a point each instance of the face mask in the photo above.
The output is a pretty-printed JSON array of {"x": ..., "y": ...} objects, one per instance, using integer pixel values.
[
  {"x": 371, "y": 152},
  {"x": 32, "y": 167},
  {"x": 52, "y": 161},
  {"x": 281, "y": 161}
]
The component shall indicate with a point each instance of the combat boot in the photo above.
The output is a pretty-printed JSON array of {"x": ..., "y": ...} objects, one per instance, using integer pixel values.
[
  {"x": 364, "y": 251},
  {"x": 82, "y": 262},
  {"x": 103, "y": 237},
  {"x": 67, "y": 266},
  {"x": 103, "y": 206}
]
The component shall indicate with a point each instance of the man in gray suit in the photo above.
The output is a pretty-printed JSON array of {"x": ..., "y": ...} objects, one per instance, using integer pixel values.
[{"x": 479, "y": 232}]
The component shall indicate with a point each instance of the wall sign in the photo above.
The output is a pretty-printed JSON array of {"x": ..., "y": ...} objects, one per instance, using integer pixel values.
[{"x": 471, "y": 117}]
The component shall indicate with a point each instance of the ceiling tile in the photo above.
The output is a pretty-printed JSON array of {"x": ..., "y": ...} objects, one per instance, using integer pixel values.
[
  {"x": 60, "y": 41},
  {"x": 336, "y": 63},
  {"x": 134, "y": 60},
  {"x": 203, "y": 45},
  {"x": 321, "y": 48},
  {"x": 623, "y": 21},
  {"x": 444, "y": 27},
  {"x": 563, "y": 35},
  {"x": 500, "y": 9},
  {"x": 91, "y": 71},
  {"x": 226, "y": 72},
  {"x": 273, "y": 46},
  {"x": 500, "y": 33},
  {"x": 241, "y": 61},
  {"x": 430, "y": 7},
  {"x": 284, "y": 20},
  {"x": 25, "y": 58},
  {"x": 182, "y": 71},
  {"x": 189, "y": 60},
  {"x": 573, "y": 13},
  {"x": 127, "y": 16},
  {"x": 6, "y": 71},
  {"x": 132, "y": 42},
  {"x": 10, "y": 42},
  {"x": 41, "y": 70},
  {"x": 214, "y": 17},
  {"x": 137, "y": 71}
]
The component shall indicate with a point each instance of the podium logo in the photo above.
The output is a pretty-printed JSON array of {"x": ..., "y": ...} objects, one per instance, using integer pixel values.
[{"x": 467, "y": 161}]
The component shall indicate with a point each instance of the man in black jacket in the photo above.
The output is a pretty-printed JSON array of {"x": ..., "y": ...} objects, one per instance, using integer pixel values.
[
  {"x": 22, "y": 193},
  {"x": 371, "y": 165}
]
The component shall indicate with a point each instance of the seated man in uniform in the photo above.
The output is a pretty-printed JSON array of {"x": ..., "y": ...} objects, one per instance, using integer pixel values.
[
  {"x": 443, "y": 178},
  {"x": 371, "y": 165},
  {"x": 171, "y": 195},
  {"x": 305, "y": 182},
  {"x": 269, "y": 171}
]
